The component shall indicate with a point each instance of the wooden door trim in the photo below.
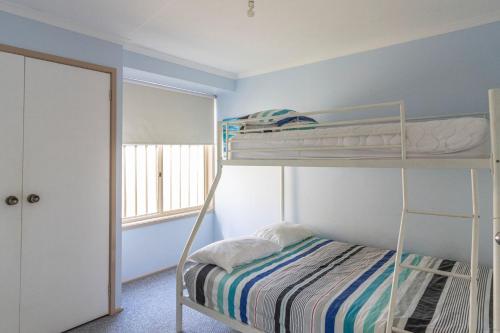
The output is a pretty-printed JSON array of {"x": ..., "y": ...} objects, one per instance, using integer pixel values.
[{"x": 112, "y": 309}]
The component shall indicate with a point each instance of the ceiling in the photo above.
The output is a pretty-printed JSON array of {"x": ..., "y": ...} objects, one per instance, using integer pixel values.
[{"x": 217, "y": 36}]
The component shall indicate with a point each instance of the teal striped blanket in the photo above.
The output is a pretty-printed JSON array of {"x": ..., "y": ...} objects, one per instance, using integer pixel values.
[{"x": 320, "y": 285}]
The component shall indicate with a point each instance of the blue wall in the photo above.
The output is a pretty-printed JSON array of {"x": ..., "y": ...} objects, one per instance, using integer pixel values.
[
  {"x": 446, "y": 74},
  {"x": 152, "y": 248},
  {"x": 450, "y": 73}
]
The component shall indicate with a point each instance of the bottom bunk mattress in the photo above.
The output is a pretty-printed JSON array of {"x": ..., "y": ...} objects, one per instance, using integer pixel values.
[{"x": 320, "y": 285}]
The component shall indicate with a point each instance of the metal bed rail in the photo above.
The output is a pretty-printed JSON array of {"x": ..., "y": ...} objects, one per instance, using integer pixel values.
[
  {"x": 228, "y": 132},
  {"x": 234, "y": 132}
]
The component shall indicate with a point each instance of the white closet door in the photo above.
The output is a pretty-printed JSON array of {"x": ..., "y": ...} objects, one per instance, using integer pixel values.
[
  {"x": 65, "y": 246},
  {"x": 11, "y": 154}
]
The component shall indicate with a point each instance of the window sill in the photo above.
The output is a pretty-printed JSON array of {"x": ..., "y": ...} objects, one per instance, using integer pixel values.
[{"x": 159, "y": 219}]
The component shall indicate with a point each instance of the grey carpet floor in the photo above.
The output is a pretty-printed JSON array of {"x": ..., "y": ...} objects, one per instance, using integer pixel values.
[{"x": 149, "y": 307}]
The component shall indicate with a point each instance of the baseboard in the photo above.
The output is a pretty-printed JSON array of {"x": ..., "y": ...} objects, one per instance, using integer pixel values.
[
  {"x": 116, "y": 311},
  {"x": 149, "y": 274}
]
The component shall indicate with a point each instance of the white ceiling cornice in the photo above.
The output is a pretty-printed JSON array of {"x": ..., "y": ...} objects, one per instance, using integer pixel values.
[
  {"x": 39, "y": 16},
  {"x": 257, "y": 47},
  {"x": 179, "y": 61}
]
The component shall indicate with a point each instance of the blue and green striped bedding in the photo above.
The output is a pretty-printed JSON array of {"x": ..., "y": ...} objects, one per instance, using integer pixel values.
[
  {"x": 265, "y": 119},
  {"x": 320, "y": 285}
]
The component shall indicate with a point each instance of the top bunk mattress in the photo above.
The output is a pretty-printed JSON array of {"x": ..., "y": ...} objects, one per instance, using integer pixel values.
[{"x": 464, "y": 137}]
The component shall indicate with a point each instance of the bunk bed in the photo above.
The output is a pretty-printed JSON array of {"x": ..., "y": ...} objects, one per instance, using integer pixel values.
[{"x": 468, "y": 142}]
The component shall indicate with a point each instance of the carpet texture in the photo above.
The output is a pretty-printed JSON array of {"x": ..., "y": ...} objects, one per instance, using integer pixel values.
[{"x": 149, "y": 307}]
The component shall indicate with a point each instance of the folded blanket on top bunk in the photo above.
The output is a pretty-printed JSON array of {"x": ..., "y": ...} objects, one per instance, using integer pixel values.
[
  {"x": 278, "y": 118},
  {"x": 319, "y": 285}
]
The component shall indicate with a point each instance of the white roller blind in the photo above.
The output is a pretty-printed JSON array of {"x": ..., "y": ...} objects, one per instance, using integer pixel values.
[{"x": 159, "y": 116}]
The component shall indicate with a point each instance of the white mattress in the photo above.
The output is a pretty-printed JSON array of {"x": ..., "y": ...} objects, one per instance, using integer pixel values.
[{"x": 465, "y": 137}]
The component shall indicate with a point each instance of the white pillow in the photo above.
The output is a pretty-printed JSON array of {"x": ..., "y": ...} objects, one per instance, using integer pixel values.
[
  {"x": 230, "y": 253},
  {"x": 284, "y": 234}
]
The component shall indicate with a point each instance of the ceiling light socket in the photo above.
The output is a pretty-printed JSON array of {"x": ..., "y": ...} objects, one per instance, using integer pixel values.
[{"x": 251, "y": 6}]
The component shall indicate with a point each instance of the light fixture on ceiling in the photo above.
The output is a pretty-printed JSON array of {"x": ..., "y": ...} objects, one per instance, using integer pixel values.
[{"x": 251, "y": 6}]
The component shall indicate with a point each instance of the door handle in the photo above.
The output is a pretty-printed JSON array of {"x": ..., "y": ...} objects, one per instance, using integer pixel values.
[
  {"x": 11, "y": 200},
  {"x": 33, "y": 198},
  {"x": 497, "y": 238}
]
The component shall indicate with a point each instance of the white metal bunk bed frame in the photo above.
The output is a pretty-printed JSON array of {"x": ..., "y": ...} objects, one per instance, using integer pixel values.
[{"x": 492, "y": 163}]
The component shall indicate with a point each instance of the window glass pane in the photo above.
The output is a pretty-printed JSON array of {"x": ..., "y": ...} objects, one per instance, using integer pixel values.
[
  {"x": 152, "y": 176},
  {"x": 185, "y": 176},
  {"x": 175, "y": 177},
  {"x": 141, "y": 179},
  {"x": 123, "y": 182},
  {"x": 129, "y": 172},
  {"x": 167, "y": 173},
  {"x": 193, "y": 175},
  {"x": 201, "y": 175}
]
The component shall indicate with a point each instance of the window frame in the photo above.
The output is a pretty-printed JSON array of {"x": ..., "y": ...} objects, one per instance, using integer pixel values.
[{"x": 161, "y": 215}]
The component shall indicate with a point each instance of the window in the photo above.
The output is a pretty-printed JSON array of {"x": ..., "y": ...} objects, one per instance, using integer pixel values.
[
  {"x": 168, "y": 139},
  {"x": 164, "y": 180}
]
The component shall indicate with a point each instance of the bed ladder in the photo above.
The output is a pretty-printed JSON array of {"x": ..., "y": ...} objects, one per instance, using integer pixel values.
[{"x": 473, "y": 277}]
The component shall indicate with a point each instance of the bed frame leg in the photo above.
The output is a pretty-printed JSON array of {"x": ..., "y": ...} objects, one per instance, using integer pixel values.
[
  {"x": 178, "y": 315},
  {"x": 180, "y": 267},
  {"x": 494, "y": 101},
  {"x": 282, "y": 193},
  {"x": 399, "y": 252},
  {"x": 474, "y": 262}
]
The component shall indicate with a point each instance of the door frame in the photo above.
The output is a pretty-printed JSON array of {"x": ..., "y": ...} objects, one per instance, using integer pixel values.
[{"x": 112, "y": 309}]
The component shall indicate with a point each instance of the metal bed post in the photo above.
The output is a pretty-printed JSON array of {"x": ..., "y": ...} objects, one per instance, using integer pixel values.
[
  {"x": 404, "y": 210},
  {"x": 399, "y": 250},
  {"x": 194, "y": 231},
  {"x": 282, "y": 191},
  {"x": 494, "y": 99},
  {"x": 474, "y": 262}
]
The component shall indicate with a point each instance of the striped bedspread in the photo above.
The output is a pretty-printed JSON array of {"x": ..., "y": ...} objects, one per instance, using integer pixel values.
[{"x": 320, "y": 285}]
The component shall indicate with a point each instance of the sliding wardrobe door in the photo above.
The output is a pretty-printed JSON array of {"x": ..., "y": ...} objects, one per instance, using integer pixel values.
[
  {"x": 11, "y": 156},
  {"x": 65, "y": 250}
]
